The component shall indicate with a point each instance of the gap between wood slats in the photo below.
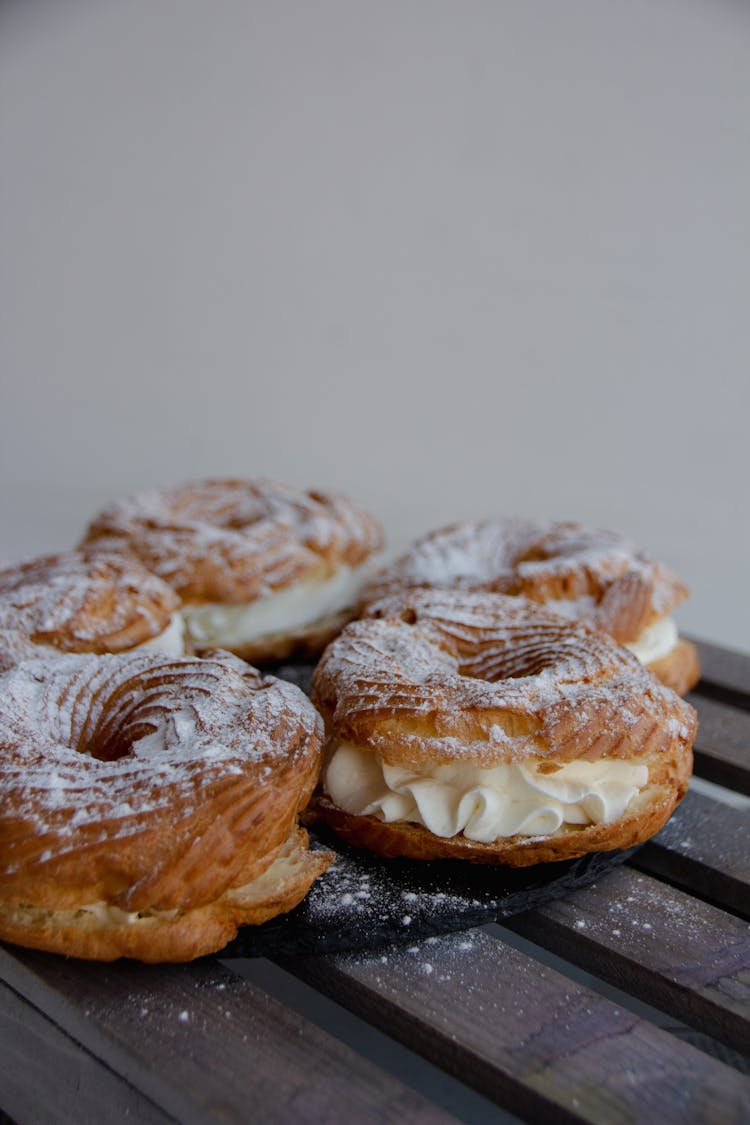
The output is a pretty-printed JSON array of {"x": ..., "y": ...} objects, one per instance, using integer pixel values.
[
  {"x": 340, "y": 1022},
  {"x": 204, "y": 1045},
  {"x": 703, "y": 849},
  {"x": 706, "y": 690},
  {"x": 47, "y": 1078},
  {"x": 722, "y": 744},
  {"x": 725, "y": 671},
  {"x": 670, "y": 950},
  {"x": 700, "y": 1039},
  {"x": 447, "y": 1091},
  {"x": 720, "y": 793},
  {"x": 531, "y": 1039}
]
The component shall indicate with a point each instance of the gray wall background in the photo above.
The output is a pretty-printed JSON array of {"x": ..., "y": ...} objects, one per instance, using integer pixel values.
[{"x": 456, "y": 258}]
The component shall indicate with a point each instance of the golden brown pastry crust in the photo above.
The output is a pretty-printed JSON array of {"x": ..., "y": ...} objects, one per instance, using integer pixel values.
[
  {"x": 150, "y": 784},
  {"x": 594, "y": 576},
  {"x": 232, "y": 541},
  {"x": 80, "y": 601},
  {"x": 182, "y": 937},
  {"x": 486, "y": 679},
  {"x": 223, "y": 543},
  {"x": 499, "y": 676},
  {"x": 680, "y": 669}
]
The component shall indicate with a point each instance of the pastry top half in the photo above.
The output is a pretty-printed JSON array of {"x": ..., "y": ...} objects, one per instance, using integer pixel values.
[
  {"x": 143, "y": 793},
  {"x": 484, "y": 721},
  {"x": 84, "y": 601}
]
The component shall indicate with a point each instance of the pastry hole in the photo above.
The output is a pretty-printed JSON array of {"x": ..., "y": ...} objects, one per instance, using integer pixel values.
[
  {"x": 111, "y": 751},
  {"x": 493, "y": 667},
  {"x": 113, "y": 747}
]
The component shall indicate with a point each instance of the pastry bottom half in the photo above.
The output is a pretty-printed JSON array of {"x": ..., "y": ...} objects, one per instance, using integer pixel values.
[
  {"x": 679, "y": 669},
  {"x": 645, "y": 815},
  {"x": 101, "y": 933}
]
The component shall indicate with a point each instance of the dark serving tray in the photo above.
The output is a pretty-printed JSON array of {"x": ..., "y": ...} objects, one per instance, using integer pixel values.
[{"x": 363, "y": 901}]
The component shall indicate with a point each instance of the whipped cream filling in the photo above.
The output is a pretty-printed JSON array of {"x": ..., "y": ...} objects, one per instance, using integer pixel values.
[
  {"x": 484, "y": 804},
  {"x": 655, "y": 641},
  {"x": 171, "y": 641},
  {"x": 299, "y": 605},
  {"x": 107, "y": 914}
]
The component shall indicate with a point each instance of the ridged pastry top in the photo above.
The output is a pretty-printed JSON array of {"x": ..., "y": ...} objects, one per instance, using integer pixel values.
[
  {"x": 146, "y": 781},
  {"x": 236, "y": 540},
  {"x": 599, "y": 577},
  {"x": 441, "y": 676},
  {"x": 80, "y": 601}
]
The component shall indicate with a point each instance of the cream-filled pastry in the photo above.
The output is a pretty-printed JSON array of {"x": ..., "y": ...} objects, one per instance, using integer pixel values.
[
  {"x": 262, "y": 569},
  {"x": 150, "y": 803},
  {"x": 484, "y": 727},
  {"x": 597, "y": 577},
  {"x": 85, "y": 601}
]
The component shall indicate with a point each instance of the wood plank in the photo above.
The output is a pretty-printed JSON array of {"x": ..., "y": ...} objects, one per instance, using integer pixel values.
[
  {"x": 722, "y": 745},
  {"x": 46, "y": 1077},
  {"x": 654, "y": 942},
  {"x": 703, "y": 849},
  {"x": 725, "y": 668},
  {"x": 536, "y": 1042},
  {"x": 204, "y": 1045}
]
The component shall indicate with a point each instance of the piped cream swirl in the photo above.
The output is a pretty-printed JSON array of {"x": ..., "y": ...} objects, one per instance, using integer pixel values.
[{"x": 483, "y": 804}]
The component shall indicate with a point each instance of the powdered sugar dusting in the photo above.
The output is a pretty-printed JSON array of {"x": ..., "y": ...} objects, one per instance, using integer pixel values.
[
  {"x": 80, "y": 601},
  {"x": 354, "y": 889},
  {"x": 527, "y": 682},
  {"x": 232, "y": 540},
  {"x": 591, "y": 575},
  {"x": 102, "y": 748},
  {"x": 364, "y": 902}
]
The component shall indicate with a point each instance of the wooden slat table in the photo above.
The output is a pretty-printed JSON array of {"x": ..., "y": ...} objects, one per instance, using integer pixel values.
[{"x": 627, "y": 1001}]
